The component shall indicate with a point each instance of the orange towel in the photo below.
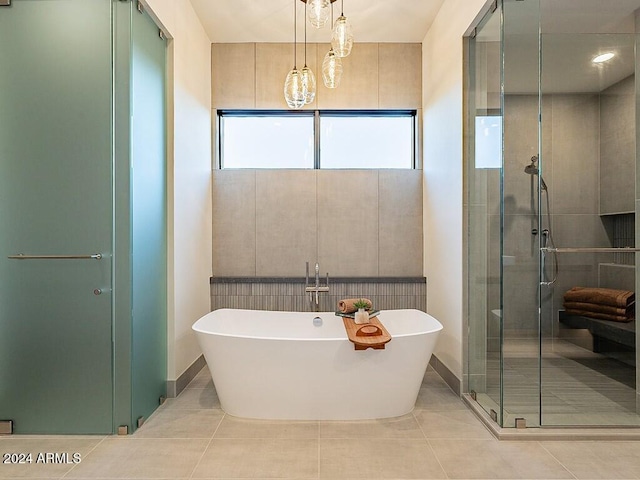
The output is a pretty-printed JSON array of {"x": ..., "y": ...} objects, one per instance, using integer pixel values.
[
  {"x": 346, "y": 305},
  {"x": 601, "y": 296}
]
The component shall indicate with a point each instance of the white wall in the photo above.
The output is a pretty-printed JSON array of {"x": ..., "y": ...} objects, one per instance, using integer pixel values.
[
  {"x": 189, "y": 177},
  {"x": 442, "y": 77}
]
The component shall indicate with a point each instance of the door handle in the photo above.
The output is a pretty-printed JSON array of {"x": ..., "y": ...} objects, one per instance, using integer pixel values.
[{"x": 22, "y": 256}]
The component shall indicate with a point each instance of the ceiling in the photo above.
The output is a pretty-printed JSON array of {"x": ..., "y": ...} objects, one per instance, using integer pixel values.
[
  {"x": 573, "y": 32},
  {"x": 239, "y": 21}
]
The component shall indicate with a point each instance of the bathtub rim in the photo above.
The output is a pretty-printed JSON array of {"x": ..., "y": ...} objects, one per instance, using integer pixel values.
[{"x": 437, "y": 327}]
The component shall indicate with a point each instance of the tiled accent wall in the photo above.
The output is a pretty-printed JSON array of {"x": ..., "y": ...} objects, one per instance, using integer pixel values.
[
  {"x": 251, "y": 76},
  {"x": 287, "y": 294},
  {"x": 354, "y": 223}
]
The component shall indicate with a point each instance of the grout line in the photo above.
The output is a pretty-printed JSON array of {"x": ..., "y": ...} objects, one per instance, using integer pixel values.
[
  {"x": 207, "y": 447},
  {"x": 83, "y": 457},
  {"x": 557, "y": 459}
]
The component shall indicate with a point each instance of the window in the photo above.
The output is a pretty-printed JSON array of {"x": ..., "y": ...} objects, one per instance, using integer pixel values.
[{"x": 320, "y": 139}]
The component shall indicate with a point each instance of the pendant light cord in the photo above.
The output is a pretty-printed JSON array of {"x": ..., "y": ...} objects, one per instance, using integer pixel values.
[
  {"x": 342, "y": 8},
  {"x": 305, "y": 33},
  {"x": 295, "y": 30}
]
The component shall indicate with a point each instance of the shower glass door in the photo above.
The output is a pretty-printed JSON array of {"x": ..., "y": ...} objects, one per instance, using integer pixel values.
[
  {"x": 56, "y": 200},
  {"x": 589, "y": 138},
  {"x": 484, "y": 230}
]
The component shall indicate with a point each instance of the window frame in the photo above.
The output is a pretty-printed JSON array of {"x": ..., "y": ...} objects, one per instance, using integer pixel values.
[{"x": 317, "y": 115}]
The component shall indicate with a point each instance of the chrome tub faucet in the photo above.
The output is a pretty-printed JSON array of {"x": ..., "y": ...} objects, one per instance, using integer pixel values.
[{"x": 317, "y": 288}]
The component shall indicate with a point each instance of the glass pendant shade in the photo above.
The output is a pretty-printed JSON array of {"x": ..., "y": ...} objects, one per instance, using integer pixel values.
[
  {"x": 331, "y": 70},
  {"x": 308, "y": 84},
  {"x": 293, "y": 90},
  {"x": 342, "y": 37},
  {"x": 318, "y": 12}
]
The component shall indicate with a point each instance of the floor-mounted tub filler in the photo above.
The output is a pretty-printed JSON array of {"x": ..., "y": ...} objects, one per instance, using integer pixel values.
[{"x": 301, "y": 366}]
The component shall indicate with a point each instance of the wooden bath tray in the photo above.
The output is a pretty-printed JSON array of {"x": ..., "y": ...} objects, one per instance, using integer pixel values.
[{"x": 367, "y": 335}]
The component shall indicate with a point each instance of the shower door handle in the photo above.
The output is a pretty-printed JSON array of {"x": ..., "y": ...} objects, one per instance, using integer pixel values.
[
  {"x": 591, "y": 250},
  {"x": 22, "y": 256}
]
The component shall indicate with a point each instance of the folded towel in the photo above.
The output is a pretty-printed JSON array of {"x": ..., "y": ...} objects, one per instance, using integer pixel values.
[
  {"x": 602, "y": 296},
  {"x": 628, "y": 312},
  {"x": 600, "y": 316},
  {"x": 346, "y": 305}
]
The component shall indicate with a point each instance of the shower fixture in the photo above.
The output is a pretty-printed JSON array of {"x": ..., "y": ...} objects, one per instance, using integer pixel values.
[
  {"x": 547, "y": 237},
  {"x": 532, "y": 169}
]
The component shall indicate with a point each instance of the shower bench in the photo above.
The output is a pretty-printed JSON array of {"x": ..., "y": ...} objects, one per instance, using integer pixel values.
[{"x": 608, "y": 336}]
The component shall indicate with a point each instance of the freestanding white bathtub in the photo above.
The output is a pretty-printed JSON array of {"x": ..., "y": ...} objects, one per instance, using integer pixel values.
[{"x": 279, "y": 365}]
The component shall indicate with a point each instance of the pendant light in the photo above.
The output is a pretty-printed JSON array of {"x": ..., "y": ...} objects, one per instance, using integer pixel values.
[
  {"x": 293, "y": 88},
  {"x": 308, "y": 78},
  {"x": 318, "y": 12},
  {"x": 331, "y": 66},
  {"x": 342, "y": 36}
]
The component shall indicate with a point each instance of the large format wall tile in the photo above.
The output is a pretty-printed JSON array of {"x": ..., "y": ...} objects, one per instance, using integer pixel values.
[
  {"x": 576, "y": 126},
  {"x": 400, "y": 212},
  {"x": 618, "y": 148},
  {"x": 400, "y": 75},
  {"x": 285, "y": 221},
  {"x": 348, "y": 222},
  {"x": 273, "y": 63},
  {"x": 233, "y": 75},
  {"x": 359, "y": 86},
  {"x": 234, "y": 222}
]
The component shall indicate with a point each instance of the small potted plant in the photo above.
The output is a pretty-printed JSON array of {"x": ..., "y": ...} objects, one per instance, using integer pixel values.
[{"x": 362, "y": 315}]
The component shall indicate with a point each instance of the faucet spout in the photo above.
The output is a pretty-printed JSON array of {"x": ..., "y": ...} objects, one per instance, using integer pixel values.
[{"x": 317, "y": 288}]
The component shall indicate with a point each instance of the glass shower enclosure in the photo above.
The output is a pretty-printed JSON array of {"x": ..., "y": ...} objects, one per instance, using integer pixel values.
[{"x": 551, "y": 202}]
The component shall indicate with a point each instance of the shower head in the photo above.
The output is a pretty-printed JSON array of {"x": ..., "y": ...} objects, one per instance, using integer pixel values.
[{"x": 532, "y": 169}]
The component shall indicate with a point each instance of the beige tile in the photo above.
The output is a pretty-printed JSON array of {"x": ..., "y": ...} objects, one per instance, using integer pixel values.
[
  {"x": 178, "y": 423},
  {"x": 233, "y": 75},
  {"x": 348, "y": 222},
  {"x": 451, "y": 424},
  {"x": 602, "y": 460},
  {"x": 234, "y": 223},
  {"x": 273, "y": 63},
  {"x": 235, "y": 427},
  {"x": 400, "y": 223},
  {"x": 193, "y": 399},
  {"x": 359, "y": 85},
  {"x": 202, "y": 379},
  {"x": 37, "y": 466},
  {"x": 398, "y": 427},
  {"x": 492, "y": 459},
  {"x": 141, "y": 458},
  {"x": 257, "y": 458},
  {"x": 378, "y": 458},
  {"x": 437, "y": 399},
  {"x": 286, "y": 222},
  {"x": 400, "y": 75}
]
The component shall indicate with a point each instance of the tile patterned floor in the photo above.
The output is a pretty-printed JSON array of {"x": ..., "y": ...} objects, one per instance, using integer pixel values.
[
  {"x": 191, "y": 437},
  {"x": 579, "y": 387}
]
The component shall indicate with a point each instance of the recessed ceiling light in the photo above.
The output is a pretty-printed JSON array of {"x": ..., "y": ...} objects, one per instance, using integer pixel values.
[{"x": 603, "y": 58}]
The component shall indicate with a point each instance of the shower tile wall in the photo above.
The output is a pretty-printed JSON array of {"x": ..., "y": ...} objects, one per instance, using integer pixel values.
[
  {"x": 576, "y": 166},
  {"x": 288, "y": 294}
]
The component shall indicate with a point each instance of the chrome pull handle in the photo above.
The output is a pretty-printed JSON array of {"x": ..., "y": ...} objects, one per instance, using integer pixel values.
[
  {"x": 22, "y": 256},
  {"x": 591, "y": 250}
]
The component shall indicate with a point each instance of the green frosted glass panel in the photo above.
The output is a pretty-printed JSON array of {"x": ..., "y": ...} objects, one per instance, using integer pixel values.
[
  {"x": 55, "y": 198},
  {"x": 148, "y": 213}
]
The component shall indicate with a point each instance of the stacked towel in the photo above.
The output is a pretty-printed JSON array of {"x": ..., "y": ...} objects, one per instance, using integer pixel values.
[
  {"x": 601, "y": 303},
  {"x": 347, "y": 305}
]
